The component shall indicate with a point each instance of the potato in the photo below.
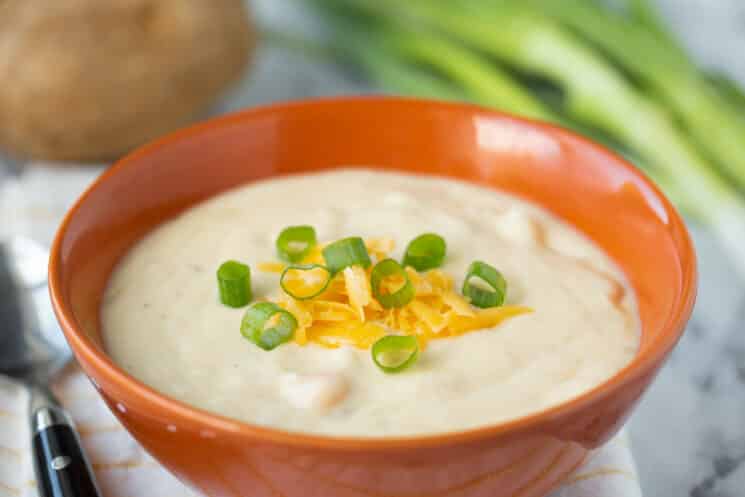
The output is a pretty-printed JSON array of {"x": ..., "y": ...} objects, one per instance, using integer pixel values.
[{"x": 88, "y": 80}]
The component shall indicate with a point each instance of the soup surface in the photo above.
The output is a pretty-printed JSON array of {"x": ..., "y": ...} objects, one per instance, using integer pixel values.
[{"x": 164, "y": 324}]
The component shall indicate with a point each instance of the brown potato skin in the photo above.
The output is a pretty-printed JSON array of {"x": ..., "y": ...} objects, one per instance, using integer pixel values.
[{"x": 88, "y": 80}]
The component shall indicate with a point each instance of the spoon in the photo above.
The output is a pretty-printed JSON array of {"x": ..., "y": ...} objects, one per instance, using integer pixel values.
[{"x": 32, "y": 357}]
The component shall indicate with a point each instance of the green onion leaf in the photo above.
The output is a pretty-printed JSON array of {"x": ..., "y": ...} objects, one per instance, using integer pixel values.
[
  {"x": 425, "y": 252},
  {"x": 268, "y": 325},
  {"x": 346, "y": 252},
  {"x": 234, "y": 283},
  {"x": 294, "y": 242},
  {"x": 305, "y": 281},
  {"x": 394, "y": 353},
  {"x": 484, "y": 286},
  {"x": 385, "y": 270}
]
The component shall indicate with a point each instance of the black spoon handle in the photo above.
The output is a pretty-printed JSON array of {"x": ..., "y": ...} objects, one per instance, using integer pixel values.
[{"x": 61, "y": 467}]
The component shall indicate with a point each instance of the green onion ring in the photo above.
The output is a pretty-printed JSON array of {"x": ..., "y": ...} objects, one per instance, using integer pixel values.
[
  {"x": 383, "y": 270},
  {"x": 305, "y": 267},
  {"x": 425, "y": 252},
  {"x": 346, "y": 252},
  {"x": 295, "y": 242},
  {"x": 234, "y": 283},
  {"x": 481, "y": 297},
  {"x": 394, "y": 353},
  {"x": 253, "y": 325}
]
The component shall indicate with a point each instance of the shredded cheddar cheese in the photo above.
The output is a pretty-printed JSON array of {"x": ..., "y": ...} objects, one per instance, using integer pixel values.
[
  {"x": 271, "y": 267},
  {"x": 380, "y": 247},
  {"x": 346, "y": 313},
  {"x": 357, "y": 287}
]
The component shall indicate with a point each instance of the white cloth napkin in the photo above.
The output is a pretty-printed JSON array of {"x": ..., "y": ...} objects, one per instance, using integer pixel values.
[
  {"x": 33, "y": 205},
  {"x": 124, "y": 469}
]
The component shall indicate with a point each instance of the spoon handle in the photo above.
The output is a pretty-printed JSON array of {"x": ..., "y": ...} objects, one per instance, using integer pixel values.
[{"x": 62, "y": 469}]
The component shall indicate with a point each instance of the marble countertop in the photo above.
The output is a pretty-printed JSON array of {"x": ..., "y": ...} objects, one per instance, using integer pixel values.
[{"x": 688, "y": 434}]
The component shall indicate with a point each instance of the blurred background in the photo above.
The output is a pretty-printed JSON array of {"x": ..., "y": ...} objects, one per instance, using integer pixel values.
[{"x": 663, "y": 83}]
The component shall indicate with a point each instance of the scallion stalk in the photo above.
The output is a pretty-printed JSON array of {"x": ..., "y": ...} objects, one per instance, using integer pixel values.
[
  {"x": 425, "y": 252},
  {"x": 383, "y": 271},
  {"x": 305, "y": 281},
  {"x": 484, "y": 286},
  {"x": 268, "y": 325},
  {"x": 294, "y": 242},
  {"x": 346, "y": 252},
  {"x": 395, "y": 353},
  {"x": 234, "y": 283}
]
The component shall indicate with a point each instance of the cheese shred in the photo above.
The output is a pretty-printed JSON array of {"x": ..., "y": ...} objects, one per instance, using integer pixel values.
[{"x": 346, "y": 313}]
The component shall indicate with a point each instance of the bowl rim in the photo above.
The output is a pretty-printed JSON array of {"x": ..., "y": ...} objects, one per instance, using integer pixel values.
[{"x": 186, "y": 415}]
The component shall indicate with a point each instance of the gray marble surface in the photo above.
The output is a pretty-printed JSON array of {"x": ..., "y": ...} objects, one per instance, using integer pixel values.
[
  {"x": 688, "y": 434},
  {"x": 689, "y": 431}
]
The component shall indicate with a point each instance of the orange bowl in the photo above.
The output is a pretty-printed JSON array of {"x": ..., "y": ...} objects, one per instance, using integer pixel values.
[{"x": 593, "y": 189}]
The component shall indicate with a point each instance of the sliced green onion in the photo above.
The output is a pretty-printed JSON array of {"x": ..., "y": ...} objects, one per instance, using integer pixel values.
[
  {"x": 425, "y": 252},
  {"x": 234, "y": 283},
  {"x": 294, "y": 242},
  {"x": 484, "y": 286},
  {"x": 301, "y": 273},
  {"x": 383, "y": 270},
  {"x": 394, "y": 353},
  {"x": 268, "y": 325},
  {"x": 346, "y": 252}
]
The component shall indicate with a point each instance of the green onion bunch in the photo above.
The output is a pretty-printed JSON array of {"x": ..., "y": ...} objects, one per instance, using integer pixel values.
[{"x": 613, "y": 73}]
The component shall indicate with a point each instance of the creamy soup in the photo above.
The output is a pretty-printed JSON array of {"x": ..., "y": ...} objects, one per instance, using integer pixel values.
[{"x": 164, "y": 324}]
